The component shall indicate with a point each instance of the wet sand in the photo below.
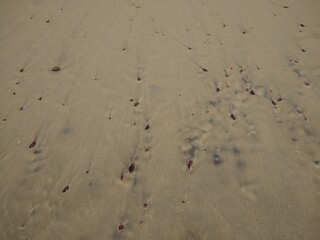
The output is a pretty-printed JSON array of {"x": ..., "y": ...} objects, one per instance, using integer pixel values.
[{"x": 171, "y": 119}]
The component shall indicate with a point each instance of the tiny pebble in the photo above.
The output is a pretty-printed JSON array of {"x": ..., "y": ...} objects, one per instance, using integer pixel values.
[
  {"x": 55, "y": 69},
  {"x": 32, "y": 144},
  {"x": 189, "y": 164},
  {"x": 66, "y": 188},
  {"x": 132, "y": 167}
]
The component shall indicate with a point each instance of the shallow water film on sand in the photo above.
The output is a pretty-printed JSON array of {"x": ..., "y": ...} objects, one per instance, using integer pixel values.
[{"x": 160, "y": 120}]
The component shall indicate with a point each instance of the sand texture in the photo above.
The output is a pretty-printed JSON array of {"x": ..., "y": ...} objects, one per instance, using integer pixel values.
[{"x": 160, "y": 119}]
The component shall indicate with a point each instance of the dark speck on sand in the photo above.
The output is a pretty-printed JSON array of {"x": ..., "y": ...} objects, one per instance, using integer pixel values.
[{"x": 55, "y": 69}]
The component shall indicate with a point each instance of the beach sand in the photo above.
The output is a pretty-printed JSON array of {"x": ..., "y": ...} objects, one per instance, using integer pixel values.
[{"x": 171, "y": 119}]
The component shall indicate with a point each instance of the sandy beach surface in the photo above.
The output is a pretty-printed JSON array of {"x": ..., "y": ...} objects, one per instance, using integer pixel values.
[{"x": 160, "y": 119}]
